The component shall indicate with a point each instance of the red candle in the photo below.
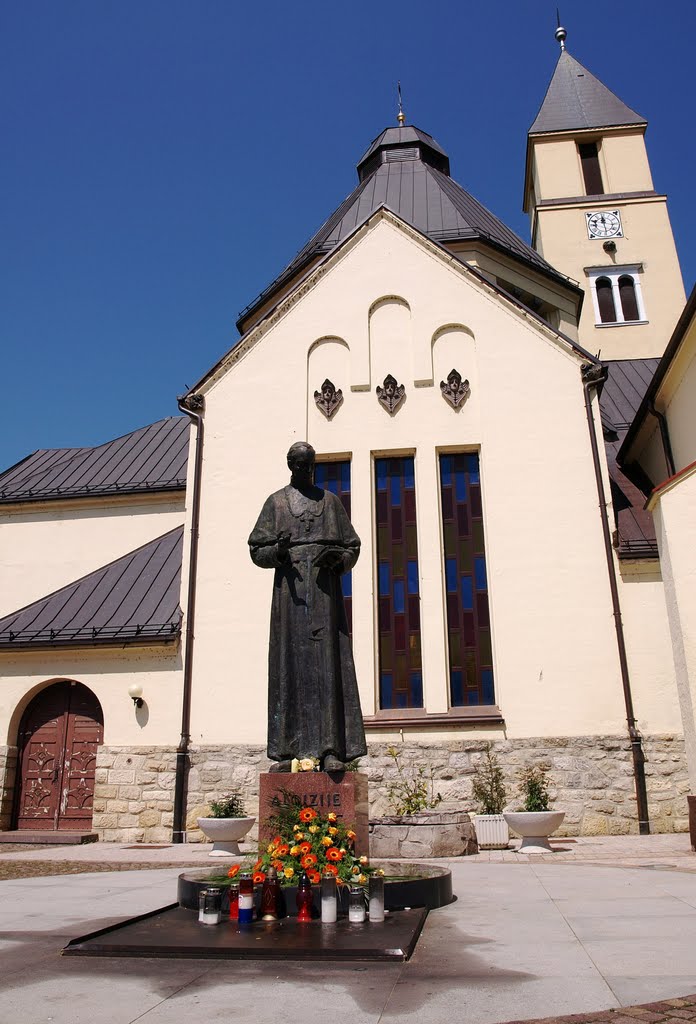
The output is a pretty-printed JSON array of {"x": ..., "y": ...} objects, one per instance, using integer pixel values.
[
  {"x": 304, "y": 898},
  {"x": 234, "y": 901}
]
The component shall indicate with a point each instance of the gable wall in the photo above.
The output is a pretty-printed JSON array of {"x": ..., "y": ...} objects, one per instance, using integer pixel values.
[{"x": 390, "y": 304}]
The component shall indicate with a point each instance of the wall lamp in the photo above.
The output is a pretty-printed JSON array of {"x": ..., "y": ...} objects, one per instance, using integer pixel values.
[{"x": 135, "y": 692}]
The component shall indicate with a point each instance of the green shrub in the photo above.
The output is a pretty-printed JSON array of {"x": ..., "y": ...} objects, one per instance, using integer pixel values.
[
  {"x": 534, "y": 780},
  {"x": 230, "y": 805},
  {"x": 489, "y": 787},
  {"x": 413, "y": 790}
]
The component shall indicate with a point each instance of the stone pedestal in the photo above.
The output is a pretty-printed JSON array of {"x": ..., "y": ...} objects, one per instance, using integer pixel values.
[{"x": 345, "y": 793}]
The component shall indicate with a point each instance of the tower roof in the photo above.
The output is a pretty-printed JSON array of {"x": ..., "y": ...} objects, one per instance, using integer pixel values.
[
  {"x": 576, "y": 100},
  {"x": 407, "y": 171}
]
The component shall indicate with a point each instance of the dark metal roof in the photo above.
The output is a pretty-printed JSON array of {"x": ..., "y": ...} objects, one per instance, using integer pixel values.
[
  {"x": 412, "y": 180},
  {"x": 132, "y": 600},
  {"x": 576, "y": 100},
  {"x": 621, "y": 396},
  {"x": 150, "y": 459}
]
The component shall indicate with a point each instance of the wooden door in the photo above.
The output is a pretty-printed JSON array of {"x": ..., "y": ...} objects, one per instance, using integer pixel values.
[{"x": 58, "y": 739}]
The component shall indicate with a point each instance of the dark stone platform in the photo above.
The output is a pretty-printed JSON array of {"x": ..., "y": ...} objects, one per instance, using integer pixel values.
[{"x": 175, "y": 932}]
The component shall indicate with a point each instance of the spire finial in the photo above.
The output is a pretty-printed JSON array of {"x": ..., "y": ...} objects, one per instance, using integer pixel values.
[
  {"x": 560, "y": 32},
  {"x": 400, "y": 117}
]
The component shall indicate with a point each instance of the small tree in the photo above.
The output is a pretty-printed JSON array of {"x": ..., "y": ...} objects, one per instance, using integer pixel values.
[
  {"x": 489, "y": 787},
  {"x": 535, "y": 786},
  {"x": 413, "y": 790},
  {"x": 229, "y": 806}
]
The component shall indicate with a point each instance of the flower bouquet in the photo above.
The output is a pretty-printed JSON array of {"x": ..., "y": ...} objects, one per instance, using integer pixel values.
[{"x": 305, "y": 840}]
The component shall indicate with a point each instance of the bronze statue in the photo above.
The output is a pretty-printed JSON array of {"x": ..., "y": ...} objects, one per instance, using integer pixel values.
[{"x": 304, "y": 534}]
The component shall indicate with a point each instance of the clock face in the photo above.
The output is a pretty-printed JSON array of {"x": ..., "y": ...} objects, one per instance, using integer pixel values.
[{"x": 604, "y": 224}]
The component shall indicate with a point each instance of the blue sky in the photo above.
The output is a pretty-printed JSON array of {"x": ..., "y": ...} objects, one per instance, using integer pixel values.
[{"x": 163, "y": 160}]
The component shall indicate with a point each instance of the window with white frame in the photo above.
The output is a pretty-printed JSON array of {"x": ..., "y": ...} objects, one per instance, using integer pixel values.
[{"x": 617, "y": 295}]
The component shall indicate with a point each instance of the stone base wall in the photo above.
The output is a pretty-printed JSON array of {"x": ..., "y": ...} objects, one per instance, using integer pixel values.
[
  {"x": 8, "y": 768},
  {"x": 591, "y": 780}
]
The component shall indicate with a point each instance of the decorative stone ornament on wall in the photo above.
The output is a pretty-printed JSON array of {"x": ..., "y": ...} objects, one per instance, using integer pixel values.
[
  {"x": 328, "y": 399},
  {"x": 390, "y": 394},
  {"x": 454, "y": 389}
]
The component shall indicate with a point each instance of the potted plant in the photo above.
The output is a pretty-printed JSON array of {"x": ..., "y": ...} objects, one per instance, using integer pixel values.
[
  {"x": 535, "y": 822},
  {"x": 488, "y": 790},
  {"x": 226, "y": 825}
]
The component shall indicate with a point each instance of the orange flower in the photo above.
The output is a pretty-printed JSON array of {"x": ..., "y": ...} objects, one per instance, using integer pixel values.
[
  {"x": 326, "y": 841},
  {"x": 234, "y": 870},
  {"x": 333, "y": 853},
  {"x": 258, "y": 864},
  {"x": 309, "y": 860},
  {"x": 282, "y": 851},
  {"x": 351, "y": 834},
  {"x": 259, "y": 876},
  {"x": 276, "y": 841},
  {"x": 294, "y": 851},
  {"x": 333, "y": 831},
  {"x": 331, "y": 868},
  {"x": 305, "y": 847},
  {"x": 307, "y": 814},
  {"x": 332, "y": 816},
  {"x": 278, "y": 865},
  {"x": 289, "y": 872},
  {"x": 314, "y": 877}
]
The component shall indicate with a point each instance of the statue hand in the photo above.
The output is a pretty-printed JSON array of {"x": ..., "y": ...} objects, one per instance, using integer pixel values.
[
  {"x": 330, "y": 558},
  {"x": 283, "y": 545}
]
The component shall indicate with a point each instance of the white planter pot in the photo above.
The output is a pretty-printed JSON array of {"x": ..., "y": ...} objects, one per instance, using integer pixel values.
[
  {"x": 534, "y": 827},
  {"x": 492, "y": 832},
  {"x": 225, "y": 833}
]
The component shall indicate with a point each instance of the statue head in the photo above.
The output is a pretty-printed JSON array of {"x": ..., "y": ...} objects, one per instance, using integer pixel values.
[{"x": 301, "y": 457}]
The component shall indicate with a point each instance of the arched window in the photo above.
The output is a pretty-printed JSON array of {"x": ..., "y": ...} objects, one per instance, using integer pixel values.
[
  {"x": 605, "y": 301},
  {"x": 627, "y": 294}
]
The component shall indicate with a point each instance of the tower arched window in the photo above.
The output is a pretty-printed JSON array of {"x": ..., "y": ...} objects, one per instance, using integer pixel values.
[
  {"x": 605, "y": 300},
  {"x": 617, "y": 295},
  {"x": 627, "y": 294}
]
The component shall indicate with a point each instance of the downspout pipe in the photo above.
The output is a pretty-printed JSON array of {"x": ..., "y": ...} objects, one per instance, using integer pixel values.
[
  {"x": 664, "y": 437},
  {"x": 193, "y": 407},
  {"x": 594, "y": 374}
]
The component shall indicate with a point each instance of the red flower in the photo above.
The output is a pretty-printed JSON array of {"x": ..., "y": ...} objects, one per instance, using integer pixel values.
[
  {"x": 309, "y": 860},
  {"x": 278, "y": 865},
  {"x": 259, "y": 876},
  {"x": 314, "y": 877},
  {"x": 282, "y": 851},
  {"x": 305, "y": 847},
  {"x": 333, "y": 853},
  {"x": 307, "y": 814},
  {"x": 258, "y": 864},
  {"x": 331, "y": 868},
  {"x": 234, "y": 870},
  {"x": 276, "y": 841}
]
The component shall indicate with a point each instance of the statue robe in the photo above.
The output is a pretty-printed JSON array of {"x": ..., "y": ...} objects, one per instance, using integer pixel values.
[{"x": 313, "y": 701}]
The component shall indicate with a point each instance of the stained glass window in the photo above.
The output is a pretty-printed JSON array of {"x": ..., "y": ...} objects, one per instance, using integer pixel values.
[
  {"x": 466, "y": 582},
  {"x": 400, "y": 667},
  {"x": 335, "y": 477}
]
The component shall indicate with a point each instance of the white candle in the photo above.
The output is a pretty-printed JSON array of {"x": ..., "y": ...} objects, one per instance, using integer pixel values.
[
  {"x": 376, "y": 908},
  {"x": 356, "y": 914},
  {"x": 328, "y": 909}
]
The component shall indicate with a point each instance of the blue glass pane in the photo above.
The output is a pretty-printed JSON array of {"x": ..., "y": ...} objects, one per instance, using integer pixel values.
[
  {"x": 381, "y": 474},
  {"x": 467, "y": 593},
  {"x": 480, "y": 573},
  {"x": 456, "y": 689},
  {"x": 472, "y": 697},
  {"x": 386, "y": 697},
  {"x": 345, "y": 477},
  {"x": 347, "y": 584},
  {"x": 384, "y": 585},
  {"x": 320, "y": 475},
  {"x": 472, "y": 462},
  {"x": 451, "y": 575},
  {"x": 408, "y": 474},
  {"x": 487, "y": 686},
  {"x": 398, "y": 596},
  {"x": 460, "y": 485},
  {"x": 402, "y": 699},
  {"x": 412, "y": 575},
  {"x": 416, "y": 689},
  {"x": 395, "y": 490},
  {"x": 332, "y": 485},
  {"x": 446, "y": 470}
]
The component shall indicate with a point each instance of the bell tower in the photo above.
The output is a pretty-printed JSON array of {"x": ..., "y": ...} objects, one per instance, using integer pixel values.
[{"x": 596, "y": 216}]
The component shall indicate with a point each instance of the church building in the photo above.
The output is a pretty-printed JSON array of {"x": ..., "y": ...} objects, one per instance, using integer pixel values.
[{"x": 478, "y": 404}]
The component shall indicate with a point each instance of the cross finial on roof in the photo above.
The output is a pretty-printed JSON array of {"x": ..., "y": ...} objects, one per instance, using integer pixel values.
[
  {"x": 560, "y": 32},
  {"x": 400, "y": 117}
]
